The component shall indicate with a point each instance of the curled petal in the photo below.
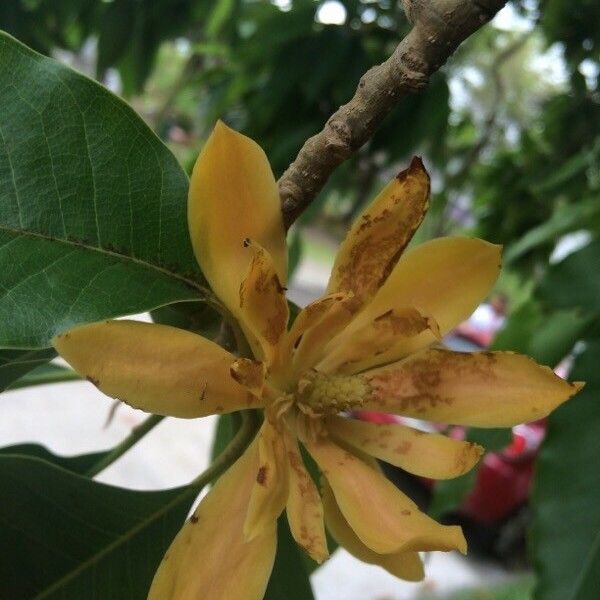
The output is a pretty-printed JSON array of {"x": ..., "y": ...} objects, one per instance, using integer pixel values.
[
  {"x": 446, "y": 279},
  {"x": 482, "y": 389},
  {"x": 424, "y": 454},
  {"x": 270, "y": 488},
  {"x": 209, "y": 557},
  {"x": 156, "y": 368},
  {"x": 380, "y": 234},
  {"x": 263, "y": 305},
  {"x": 304, "y": 508},
  {"x": 233, "y": 196},
  {"x": 405, "y": 565},
  {"x": 311, "y": 348},
  {"x": 349, "y": 351},
  {"x": 249, "y": 373},
  {"x": 383, "y": 518},
  {"x": 309, "y": 316}
]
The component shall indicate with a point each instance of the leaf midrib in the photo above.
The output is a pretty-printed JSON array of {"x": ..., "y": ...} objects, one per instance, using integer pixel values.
[
  {"x": 189, "y": 282},
  {"x": 119, "y": 541}
]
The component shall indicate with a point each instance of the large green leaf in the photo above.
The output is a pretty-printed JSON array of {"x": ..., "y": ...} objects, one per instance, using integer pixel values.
[
  {"x": 79, "y": 464},
  {"x": 65, "y": 536},
  {"x": 44, "y": 374},
  {"x": 92, "y": 205},
  {"x": 16, "y": 363},
  {"x": 566, "y": 511}
]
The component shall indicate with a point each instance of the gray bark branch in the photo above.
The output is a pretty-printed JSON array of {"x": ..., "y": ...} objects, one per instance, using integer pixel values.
[{"x": 439, "y": 27}]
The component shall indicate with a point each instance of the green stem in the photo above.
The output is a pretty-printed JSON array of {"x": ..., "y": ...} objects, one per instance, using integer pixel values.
[
  {"x": 133, "y": 438},
  {"x": 236, "y": 447}
]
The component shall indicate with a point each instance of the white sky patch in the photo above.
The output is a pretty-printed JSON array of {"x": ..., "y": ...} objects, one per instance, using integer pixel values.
[
  {"x": 551, "y": 65},
  {"x": 508, "y": 19},
  {"x": 284, "y": 5},
  {"x": 331, "y": 12}
]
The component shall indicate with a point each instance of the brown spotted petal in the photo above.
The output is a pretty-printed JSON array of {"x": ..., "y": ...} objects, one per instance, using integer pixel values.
[
  {"x": 311, "y": 348},
  {"x": 263, "y": 306},
  {"x": 481, "y": 389},
  {"x": 304, "y": 508},
  {"x": 210, "y": 558},
  {"x": 233, "y": 195},
  {"x": 270, "y": 488},
  {"x": 383, "y": 518},
  {"x": 380, "y": 234},
  {"x": 424, "y": 454},
  {"x": 156, "y": 368},
  {"x": 352, "y": 350},
  {"x": 405, "y": 565},
  {"x": 445, "y": 278},
  {"x": 309, "y": 316},
  {"x": 249, "y": 373}
]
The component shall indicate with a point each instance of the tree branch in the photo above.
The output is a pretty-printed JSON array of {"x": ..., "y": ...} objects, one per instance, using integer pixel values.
[{"x": 439, "y": 27}]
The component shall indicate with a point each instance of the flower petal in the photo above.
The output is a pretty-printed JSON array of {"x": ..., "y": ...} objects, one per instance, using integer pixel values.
[
  {"x": 405, "y": 565},
  {"x": 270, "y": 488},
  {"x": 350, "y": 350},
  {"x": 233, "y": 196},
  {"x": 156, "y": 368},
  {"x": 263, "y": 306},
  {"x": 209, "y": 557},
  {"x": 482, "y": 389},
  {"x": 380, "y": 234},
  {"x": 383, "y": 518},
  {"x": 310, "y": 315},
  {"x": 311, "y": 347},
  {"x": 304, "y": 508},
  {"x": 446, "y": 279},
  {"x": 424, "y": 454},
  {"x": 250, "y": 374}
]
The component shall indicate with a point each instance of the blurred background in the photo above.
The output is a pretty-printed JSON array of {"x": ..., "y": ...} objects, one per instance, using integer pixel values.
[{"x": 510, "y": 132}]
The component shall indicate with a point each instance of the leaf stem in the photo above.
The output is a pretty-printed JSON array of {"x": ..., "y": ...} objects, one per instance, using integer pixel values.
[
  {"x": 57, "y": 377},
  {"x": 133, "y": 438},
  {"x": 236, "y": 447}
]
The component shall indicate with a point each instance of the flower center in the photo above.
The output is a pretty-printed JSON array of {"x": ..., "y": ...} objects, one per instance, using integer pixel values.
[{"x": 329, "y": 394}]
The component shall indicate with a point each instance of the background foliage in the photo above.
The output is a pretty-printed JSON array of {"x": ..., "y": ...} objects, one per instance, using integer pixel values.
[{"x": 509, "y": 129}]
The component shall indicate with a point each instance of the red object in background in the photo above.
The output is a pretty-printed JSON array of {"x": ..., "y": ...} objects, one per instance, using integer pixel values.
[{"x": 504, "y": 478}]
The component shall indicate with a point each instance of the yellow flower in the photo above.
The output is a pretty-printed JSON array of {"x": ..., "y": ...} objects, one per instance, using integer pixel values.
[{"x": 372, "y": 342}]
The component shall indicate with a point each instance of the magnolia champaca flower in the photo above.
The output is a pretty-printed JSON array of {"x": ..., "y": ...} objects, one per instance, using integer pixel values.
[{"x": 372, "y": 342}]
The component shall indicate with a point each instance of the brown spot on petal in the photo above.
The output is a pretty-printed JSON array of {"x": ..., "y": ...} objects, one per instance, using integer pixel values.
[
  {"x": 261, "y": 476},
  {"x": 193, "y": 519}
]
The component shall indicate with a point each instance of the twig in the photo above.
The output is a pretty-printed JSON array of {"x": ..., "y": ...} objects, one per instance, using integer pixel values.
[
  {"x": 439, "y": 27},
  {"x": 133, "y": 438}
]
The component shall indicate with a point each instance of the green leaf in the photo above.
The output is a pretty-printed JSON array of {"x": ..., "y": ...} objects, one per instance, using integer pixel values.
[
  {"x": 198, "y": 317},
  {"x": 14, "y": 364},
  {"x": 289, "y": 578},
  {"x": 574, "y": 281},
  {"x": 115, "y": 33},
  {"x": 64, "y": 536},
  {"x": 564, "y": 218},
  {"x": 93, "y": 213},
  {"x": 46, "y": 373},
  {"x": 587, "y": 584},
  {"x": 79, "y": 464},
  {"x": 566, "y": 512},
  {"x": 519, "y": 328},
  {"x": 555, "y": 338}
]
